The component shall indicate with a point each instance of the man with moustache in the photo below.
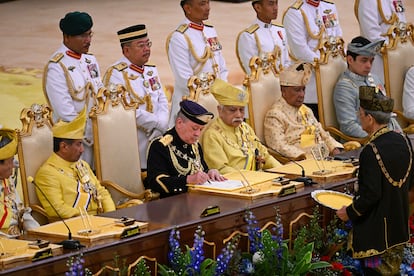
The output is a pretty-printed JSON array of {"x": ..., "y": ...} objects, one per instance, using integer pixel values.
[
  {"x": 229, "y": 143},
  {"x": 143, "y": 84},
  {"x": 263, "y": 37},
  {"x": 176, "y": 159},
  {"x": 290, "y": 126},
  {"x": 193, "y": 48},
  {"x": 72, "y": 75}
]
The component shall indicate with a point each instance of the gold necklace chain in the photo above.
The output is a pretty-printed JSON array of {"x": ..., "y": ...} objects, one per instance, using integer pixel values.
[
  {"x": 381, "y": 163},
  {"x": 194, "y": 164},
  {"x": 243, "y": 142}
]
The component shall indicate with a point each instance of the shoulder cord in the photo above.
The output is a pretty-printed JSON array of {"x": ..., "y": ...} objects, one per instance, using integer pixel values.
[{"x": 193, "y": 164}]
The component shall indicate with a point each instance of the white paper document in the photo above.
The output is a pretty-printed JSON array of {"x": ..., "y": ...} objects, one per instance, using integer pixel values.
[{"x": 223, "y": 185}]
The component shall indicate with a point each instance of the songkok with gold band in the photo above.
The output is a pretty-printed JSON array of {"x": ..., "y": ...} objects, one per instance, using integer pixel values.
[
  {"x": 227, "y": 94},
  {"x": 76, "y": 23},
  {"x": 372, "y": 99},
  {"x": 8, "y": 143},
  {"x": 74, "y": 129},
  {"x": 195, "y": 112},
  {"x": 132, "y": 33},
  {"x": 365, "y": 49},
  {"x": 297, "y": 74}
]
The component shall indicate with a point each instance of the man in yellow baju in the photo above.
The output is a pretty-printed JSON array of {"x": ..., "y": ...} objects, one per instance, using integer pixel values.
[
  {"x": 229, "y": 144},
  {"x": 68, "y": 181},
  {"x": 14, "y": 217},
  {"x": 290, "y": 127}
]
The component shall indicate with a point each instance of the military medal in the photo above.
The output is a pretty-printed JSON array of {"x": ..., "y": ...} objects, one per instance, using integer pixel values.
[
  {"x": 71, "y": 68},
  {"x": 150, "y": 73}
]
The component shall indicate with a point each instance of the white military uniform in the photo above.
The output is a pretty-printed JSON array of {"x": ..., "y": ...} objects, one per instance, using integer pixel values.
[
  {"x": 306, "y": 27},
  {"x": 145, "y": 86},
  {"x": 374, "y": 24},
  {"x": 192, "y": 50},
  {"x": 262, "y": 38},
  {"x": 408, "y": 94},
  {"x": 70, "y": 80}
]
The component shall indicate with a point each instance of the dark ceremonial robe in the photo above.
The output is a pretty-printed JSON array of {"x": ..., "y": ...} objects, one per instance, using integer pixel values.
[
  {"x": 380, "y": 209},
  {"x": 169, "y": 162}
]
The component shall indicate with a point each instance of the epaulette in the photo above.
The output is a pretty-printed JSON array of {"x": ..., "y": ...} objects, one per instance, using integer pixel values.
[
  {"x": 329, "y": 2},
  {"x": 121, "y": 66},
  {"x": 57, "y": 57},
  {"x": 297, "y": 4},
  {"x": 182, "y": 28},
  {"x": 166, "y": 140},
  {"x": 252, "y": 28},
  {"x": 208, "y": 24},
  {"x": 278, "y": 25}
]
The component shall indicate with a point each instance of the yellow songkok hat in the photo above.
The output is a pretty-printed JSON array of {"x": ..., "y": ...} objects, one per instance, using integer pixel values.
[
  {"x": 227, "y": 94},
  {"x": 71, "y": 130},
  {"x": 8, "y": 150},
  {"x": 297, "y": 74}
]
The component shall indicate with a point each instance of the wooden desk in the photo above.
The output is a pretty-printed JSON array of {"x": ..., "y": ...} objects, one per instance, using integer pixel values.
[{"x": 183, "y": 211}]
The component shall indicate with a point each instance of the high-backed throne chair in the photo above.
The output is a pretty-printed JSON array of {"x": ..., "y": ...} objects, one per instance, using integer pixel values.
[
  {"x": 199, "y": 87},
  {"x": 116, "y": 152},
  {"x": 398, "y": 56},
  {"x": 328, "y": 69},
  {"x": 35, "y": 145}
]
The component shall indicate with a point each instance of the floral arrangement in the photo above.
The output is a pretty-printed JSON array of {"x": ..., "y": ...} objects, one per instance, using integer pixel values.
[{"x": 315, "y": 252}]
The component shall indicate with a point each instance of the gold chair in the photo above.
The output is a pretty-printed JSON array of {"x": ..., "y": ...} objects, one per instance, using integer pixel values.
[
  {"x": 150, "y": 262},
  {"x": 398, "y": 56},
  {"x": 199, "y": 87},
  {"x": 35, "y": 145},
  {"x": 293, "y": 223},
  {"x": 328, "y": 69},
  {"x": 264, "y": 90},
  {"x": 106, "y": 269},
  {"x": 116, "y": 152}
]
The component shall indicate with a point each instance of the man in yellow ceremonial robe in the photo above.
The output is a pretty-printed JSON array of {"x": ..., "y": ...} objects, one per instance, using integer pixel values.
[
  {"x": 68, "y": 181},
  {"x": 229, "y": 144}
]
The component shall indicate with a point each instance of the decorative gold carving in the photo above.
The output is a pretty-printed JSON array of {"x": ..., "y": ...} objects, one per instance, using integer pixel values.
[
  {"x": 199, "y": 85},
  {"x": 39, "y": 114}
]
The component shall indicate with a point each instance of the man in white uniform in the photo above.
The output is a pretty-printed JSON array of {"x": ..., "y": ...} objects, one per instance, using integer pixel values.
[
  {"x": 72, "y": 75},
  {"x": 262, "y": 36},
  {"x": 408, "y": 94},
  {"x": 307, "y": 24},
  {"x": 143, "y": 84},
  {"x": 375, "y": 18},
  {"x": 193, "y": 48}
]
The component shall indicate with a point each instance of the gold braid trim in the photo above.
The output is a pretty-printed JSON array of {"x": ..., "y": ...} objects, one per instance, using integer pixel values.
[
  {"x": 158, "y": 179},
  {"x": 384, "y": 170},
  {"x": 73, "y": 92},
  {"x": 318, "y": 36},
  {"x": 194, "y": 165},
  {"x": 244, "y": 144},
  {"x": 140, "y": 100},
  {"x": 393, "y": 19}
]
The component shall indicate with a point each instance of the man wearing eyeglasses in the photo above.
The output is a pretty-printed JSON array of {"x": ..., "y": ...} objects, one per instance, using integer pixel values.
[
  {"x": 72, "y": 75},
  {"x": 290, "y": 126},
  {"x": 143, "y": 84}
]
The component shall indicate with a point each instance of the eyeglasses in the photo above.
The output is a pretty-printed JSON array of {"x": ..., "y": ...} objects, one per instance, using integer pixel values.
[
  {"x": 85, "y": 35},
  {"x": 141, "y": 45}
]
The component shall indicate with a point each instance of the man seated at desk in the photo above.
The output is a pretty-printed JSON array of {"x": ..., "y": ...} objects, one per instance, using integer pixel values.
[
  {"x": 68, "y": 181},
  {"x": 14, "y": 217},
  {"x": 229, "y": 143},
  {"x": 290, "y": 126},
  {"x": 176, "y": 159}
]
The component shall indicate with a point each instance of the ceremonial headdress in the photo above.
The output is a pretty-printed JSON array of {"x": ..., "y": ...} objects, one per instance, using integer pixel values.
[
  {"x": 368, "y": 50},
  {"x": 195, "y": 112},
  {"x": 7, "y": 150},
  {"x": 298, "y": 74},
  {"x": 372, "y": 99},
  {"x": 76, "y": 23},
  {"x": 74, "y": 129},
  {"x": 132, "y": 33},
  {"x": 227, "y": 94}
]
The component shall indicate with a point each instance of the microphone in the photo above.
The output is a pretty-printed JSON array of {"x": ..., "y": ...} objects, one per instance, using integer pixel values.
[
  {"x": 69, "y": 243},
  {"x": 307, "y": 181}
]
